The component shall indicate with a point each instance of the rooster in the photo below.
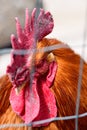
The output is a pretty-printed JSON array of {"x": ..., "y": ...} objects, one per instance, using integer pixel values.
[{"x": 41, "y": 84}]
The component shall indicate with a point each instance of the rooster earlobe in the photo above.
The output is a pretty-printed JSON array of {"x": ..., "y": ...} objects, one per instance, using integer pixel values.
[{"x": 52, "y": 72}]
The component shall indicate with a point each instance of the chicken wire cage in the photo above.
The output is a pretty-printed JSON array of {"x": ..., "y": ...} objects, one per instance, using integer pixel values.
[{"x": 70, "y": 25}]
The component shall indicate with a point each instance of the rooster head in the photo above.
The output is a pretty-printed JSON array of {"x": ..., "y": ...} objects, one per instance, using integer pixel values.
[
  {"x": 28, "y": 97},
  {"x": 35, "y": 29}
]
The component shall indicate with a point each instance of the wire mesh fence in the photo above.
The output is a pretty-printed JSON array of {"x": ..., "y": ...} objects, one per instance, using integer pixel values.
[
  {"x": 46, "y": 49},
  {"x": 76, "y": 116}
]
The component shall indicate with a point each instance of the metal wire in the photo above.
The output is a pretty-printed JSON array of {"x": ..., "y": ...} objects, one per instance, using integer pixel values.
[
  {"x": 45, "y": 49},
  {"x": 29, "y": 51},
  {"x": 43, "y": 121},
  {"x": 81, "y": 71}
]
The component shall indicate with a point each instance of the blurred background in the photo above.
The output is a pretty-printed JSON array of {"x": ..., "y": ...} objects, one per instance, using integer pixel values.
[
  {"x": 69, "y": 23},
  {"x": 8, "y": 11}
]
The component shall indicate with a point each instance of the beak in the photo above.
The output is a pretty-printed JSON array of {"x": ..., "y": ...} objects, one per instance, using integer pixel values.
[{"x": 19, "y": 88}]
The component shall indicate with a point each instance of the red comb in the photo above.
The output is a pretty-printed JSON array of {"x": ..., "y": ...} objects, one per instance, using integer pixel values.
[{"x": 35, "y": 29}]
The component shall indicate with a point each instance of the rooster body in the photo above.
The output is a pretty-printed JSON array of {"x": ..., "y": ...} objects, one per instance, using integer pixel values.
[{"x": 63, "y": 88}]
